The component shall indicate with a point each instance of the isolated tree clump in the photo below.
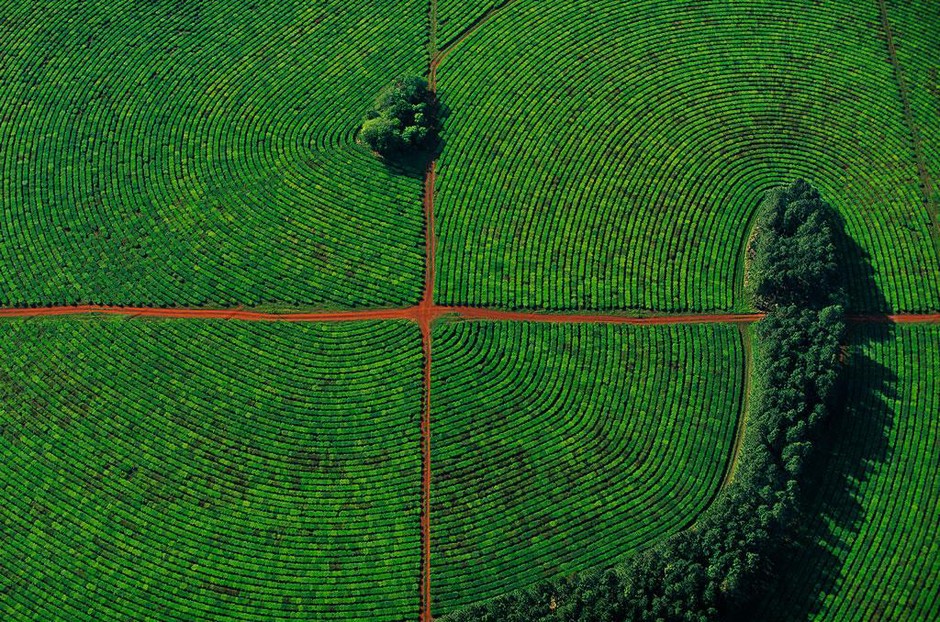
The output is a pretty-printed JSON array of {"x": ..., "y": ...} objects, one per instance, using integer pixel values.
[{"x": 405, "y": 118}]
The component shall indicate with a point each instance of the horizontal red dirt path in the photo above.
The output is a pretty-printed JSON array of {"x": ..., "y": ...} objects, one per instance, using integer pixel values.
[
  {"x": 471, "y": 313},
  {"x": 214, "y": 314},
  {"x": 425, "y": 313},
  {"x": 898, "y": 318}
]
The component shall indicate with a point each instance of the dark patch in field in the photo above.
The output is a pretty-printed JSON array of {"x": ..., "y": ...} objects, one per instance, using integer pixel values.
[{"x": 220, "y": 589}]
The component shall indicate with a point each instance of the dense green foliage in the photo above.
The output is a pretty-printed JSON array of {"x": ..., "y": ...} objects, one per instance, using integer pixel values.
[
  {"x": 561, "y": 448},
  {"x": 707, "y": 571},
  {"x": 609, "y": 154},
  {"x": 197, "y": 470},
  {"x": 405, "y": 118},
  {"x": 867, "y": 548},
  {"x": 796, "y": 262},
  {"x": 185, "y": 153}
]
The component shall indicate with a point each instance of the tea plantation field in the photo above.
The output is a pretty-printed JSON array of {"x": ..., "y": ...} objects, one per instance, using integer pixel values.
[
  {"x": 915, "y": 24},
  {"x": 604, "y": 156},
  {"x": 609, "y": 154},
  {"x": 455, "y": 17},
  {"x": 185, "y": 470},
  {"x": 172, "y": 153},
  {"x": 561, "y": 448},
  {"x": 872, "y": 551}
]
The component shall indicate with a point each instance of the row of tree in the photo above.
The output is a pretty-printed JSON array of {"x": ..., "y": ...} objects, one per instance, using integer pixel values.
[{"x": 710, "y": 571}]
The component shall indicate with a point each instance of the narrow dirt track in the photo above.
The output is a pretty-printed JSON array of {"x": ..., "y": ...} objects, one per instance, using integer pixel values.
[
  {"x": 896, "y": 318},
  {"x": 426, "y": 312},
  {"x": 214, "y": 314},
  {"x": 471, "y": 28},
  {"x": 427, "y": 305},
  {"x": 470, "y": 313},
  {"x": 425, "y": 614}
]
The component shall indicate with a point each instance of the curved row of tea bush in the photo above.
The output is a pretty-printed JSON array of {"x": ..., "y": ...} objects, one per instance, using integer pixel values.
[
  {"x": 206, "y": 470},
  {"x": 869, "y": 548},
  {"x": 609, "y": 154},
  {"x": 557, "y": 448},
  {"x": 168, "y": 153},
  {"x": 711, "y": 569}
]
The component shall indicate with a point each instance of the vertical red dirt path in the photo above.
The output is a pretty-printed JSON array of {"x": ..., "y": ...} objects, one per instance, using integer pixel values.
[
  {"x": 425, "y": 312},
  {"x": 425, "y": 316}
]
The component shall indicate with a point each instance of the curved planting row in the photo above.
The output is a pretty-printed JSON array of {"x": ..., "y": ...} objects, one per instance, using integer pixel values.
[
  {"x": 557, "y": 448},
  {"x": 608, "y": 154},
  {"x": 871, "y": 550},
  {"x": 205, "y": 470},
  {"x": 169, "y": 153}
]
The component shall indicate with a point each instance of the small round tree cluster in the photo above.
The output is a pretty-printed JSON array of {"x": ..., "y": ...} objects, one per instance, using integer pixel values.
[{"x": 404, "y": 119}]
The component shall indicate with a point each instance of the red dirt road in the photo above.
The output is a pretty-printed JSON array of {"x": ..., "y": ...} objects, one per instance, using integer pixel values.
[
  {"x": 426, "y": 475},
  {"x": 426, "y": 312},
  {"x": 214, "y": 314},
  {"x": 470, "y": 313},
  {"x": 898, "y": 318}
]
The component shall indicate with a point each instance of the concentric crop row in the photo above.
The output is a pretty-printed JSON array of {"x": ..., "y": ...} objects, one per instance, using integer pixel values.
[
  {"x": 611, "y": 154},
  {"x": 200, "y": 470},
  {"x": 871, "y": 550},
  {"x": 558, "y": 448},
  {"x": 166, "y": 154}
]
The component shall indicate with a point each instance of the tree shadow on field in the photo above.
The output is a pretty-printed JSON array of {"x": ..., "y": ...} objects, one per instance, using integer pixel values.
[
  {"x": 862, "y": 291},
  {"x": 852, "y": 444},
  {"x": 415, "y": 165}
]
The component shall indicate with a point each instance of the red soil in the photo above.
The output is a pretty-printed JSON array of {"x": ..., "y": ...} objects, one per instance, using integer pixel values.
[
  {"x": 214, "y": 314},
  {"x": 426, "y": 312},
  {"x": 898, "y": 318},
  {"x": 470, "y": 313}
]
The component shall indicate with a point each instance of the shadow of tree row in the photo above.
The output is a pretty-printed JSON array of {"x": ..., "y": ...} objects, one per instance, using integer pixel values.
[{"x": 852, "y": 445}]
